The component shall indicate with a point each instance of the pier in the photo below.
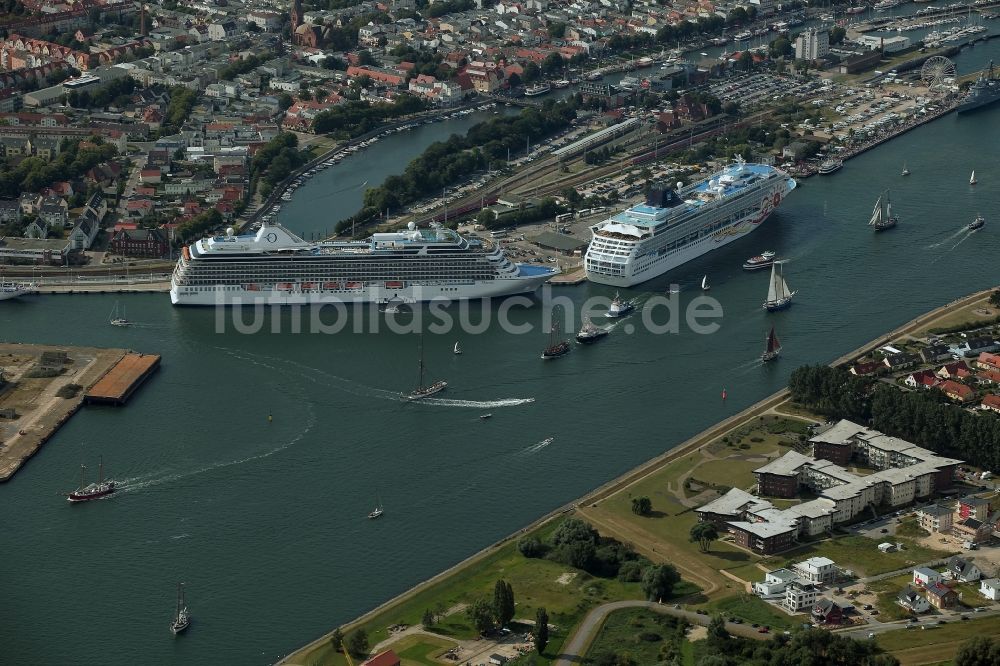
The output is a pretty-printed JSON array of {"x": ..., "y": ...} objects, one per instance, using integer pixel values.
[
  {"x": 41, "y": 387},
  {"x": 121, "y": 381}
]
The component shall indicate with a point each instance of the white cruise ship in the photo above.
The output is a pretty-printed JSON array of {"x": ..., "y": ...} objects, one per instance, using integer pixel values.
[
  {"x": 275, "y": 266},
  {"x": 676, "y": 226}
]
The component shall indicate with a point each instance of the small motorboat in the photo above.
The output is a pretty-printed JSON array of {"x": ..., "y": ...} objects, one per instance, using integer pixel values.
[
  {"x": 977, "y": 223},
  {"x": 485, "y": 416},
  {"x": 619, "y": 308}
]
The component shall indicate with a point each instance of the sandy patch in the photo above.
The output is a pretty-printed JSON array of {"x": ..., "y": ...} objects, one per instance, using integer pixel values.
[
  {"x": 697, "y": 632},
  {"x": 566, "y": 578}
]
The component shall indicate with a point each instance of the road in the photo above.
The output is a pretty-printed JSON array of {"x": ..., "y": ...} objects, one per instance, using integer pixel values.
[{"x": 577, "y": 646}]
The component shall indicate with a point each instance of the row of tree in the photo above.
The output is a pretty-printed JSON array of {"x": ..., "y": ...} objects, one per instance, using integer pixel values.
[
  {"x": 356, "y": 118},
  {"x": 275, "y": 161},
  {"x": 182, "y": 100},
  {"x": 926, "y": 418},
  {"x": 445, "y": 163},
  {"x": 118, "y": 92}
]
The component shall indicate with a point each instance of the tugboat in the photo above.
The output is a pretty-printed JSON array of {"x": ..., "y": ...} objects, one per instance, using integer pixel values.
[
  {"x": 772, "y": 348},
  {"x": 422, "y": 391},
  {"x": 977, "y": 223},
  {"x": 590, "y": 333},
  {"x": 762, "y": 260},
  {"x": 619, "y": 308},
  {"x": 555, "y": 348},
  {"x": 882, "y": 220},
  {"x": 182, "y": 619},
  {"x": 94, "y": 490},
  {"x": 779, "y": 296}
]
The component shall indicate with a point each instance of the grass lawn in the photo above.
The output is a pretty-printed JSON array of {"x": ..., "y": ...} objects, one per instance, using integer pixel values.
[
  {"x": 860, "y": 554},
  {"x": 970, "y": 595},
  {"x": 639, "y": 632},
  {"x": 910, "y": 528},
  {"x": 732, "y": 473},
  {"x": 414, "y": 650},
  {"x": 887, "y": 590},
  {"x": 922, "y": 646},
  {"x": 966, "y": 315},
  {"x": 753, "y": 609},
  {"x": 534, "y": 582}
]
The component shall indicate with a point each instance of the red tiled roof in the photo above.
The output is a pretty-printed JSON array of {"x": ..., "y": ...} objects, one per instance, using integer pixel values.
[{"x": 992, "y": 402}]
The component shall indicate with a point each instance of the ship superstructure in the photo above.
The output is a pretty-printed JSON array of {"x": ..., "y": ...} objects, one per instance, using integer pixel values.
[
  {"x": 674, "y": 226},
  {"x": 275, "y": 266}
]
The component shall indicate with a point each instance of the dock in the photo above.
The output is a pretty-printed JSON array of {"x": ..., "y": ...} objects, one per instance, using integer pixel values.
[
  {"x": 120, "y": 382},
  {"x": 575, "y": 276}
]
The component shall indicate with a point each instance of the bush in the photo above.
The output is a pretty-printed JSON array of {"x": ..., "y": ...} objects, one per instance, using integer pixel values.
[
  {"x": 68, "y": 391},
  {"x": 649, "y": 637},
  {"x": 531, "y": 547},
  {"x": 757, "y": 440},
  {"x": 630, "y": 572}
]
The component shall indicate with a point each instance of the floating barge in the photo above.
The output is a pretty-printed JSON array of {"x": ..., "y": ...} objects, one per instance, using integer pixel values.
[{"x": 121, "y": 381}]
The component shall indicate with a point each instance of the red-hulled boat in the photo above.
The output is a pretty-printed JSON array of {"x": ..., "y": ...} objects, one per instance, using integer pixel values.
[{"x": 93, "y": 490}]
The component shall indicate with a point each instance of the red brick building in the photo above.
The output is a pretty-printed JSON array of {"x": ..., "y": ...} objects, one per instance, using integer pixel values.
[
  {"x": 139, "y": 243},
  {"x": 763, "y": 538}
]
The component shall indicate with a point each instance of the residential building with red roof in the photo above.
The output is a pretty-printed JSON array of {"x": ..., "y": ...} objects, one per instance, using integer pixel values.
[
  {"x": 991, "y": 402},
  {"x": 956, "y": 391},
  {"x": 987, "y": 361}
]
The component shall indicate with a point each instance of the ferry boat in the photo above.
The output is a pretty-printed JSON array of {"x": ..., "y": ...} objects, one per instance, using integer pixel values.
[
  {"x": 675, "y": 226},
  {"x": 540, "y": 89},
  {"x": 85, "y": 493},
  {"x": 829, "y": 166},
  {"x": 273, "y": 266},
  {"x": 977, "y": 223},
  {"x": 10, "y": 290},
  {"x": 762, "y": 260},
  {"x": 590, "y": 333}
]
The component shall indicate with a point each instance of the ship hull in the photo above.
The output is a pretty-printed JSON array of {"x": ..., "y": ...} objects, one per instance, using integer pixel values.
[
  {"x": 968, "y": 107},
  {"x": 75, "y": 498},
  {"x": 216, "y": 295}
]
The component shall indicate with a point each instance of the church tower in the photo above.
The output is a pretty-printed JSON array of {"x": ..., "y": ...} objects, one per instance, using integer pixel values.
[{"x": 296, "y": 14}]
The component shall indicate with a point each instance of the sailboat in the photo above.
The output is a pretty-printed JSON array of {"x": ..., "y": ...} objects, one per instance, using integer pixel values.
[
  {"x": 779, "y": 296},
  {"x": 94, "y": 490},
  {"x": 182, "y": 619},
  {"x": 556, "y": 347},
  {"x": 457, "y": 350},
  {"x": 377, "y": 511},
  {"x": 422, "y": 390},
  {"x": 119, "y": 319},
  {"x": 772, "y": 348},
  {"x": 883, "y": 219},
  {"x": 704, "y": 284},
  {"x": 906, "y": 172},
  {"x": 972, "y": 178}
]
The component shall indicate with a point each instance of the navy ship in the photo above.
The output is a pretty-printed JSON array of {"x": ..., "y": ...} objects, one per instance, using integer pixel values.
[{"x": 985, "y": 90}]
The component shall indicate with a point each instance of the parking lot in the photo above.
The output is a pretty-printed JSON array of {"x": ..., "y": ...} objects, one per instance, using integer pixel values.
[{"x": 752, "y": 91}]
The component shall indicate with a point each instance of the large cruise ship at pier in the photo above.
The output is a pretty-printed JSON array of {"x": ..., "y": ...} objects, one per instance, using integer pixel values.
[
  {"x": 275, "y": 266},
  {"x": 675, "y": 226}
]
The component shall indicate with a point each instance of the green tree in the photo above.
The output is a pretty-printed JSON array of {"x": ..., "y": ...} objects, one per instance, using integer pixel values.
[
  {"x": 503, "y": 602},
  {"x": 995, "y": 298},
  {"x": 704, "y": 533},
  {"x": 428, "y": 619},
  {"x": 979, "y": 651},
  {"x": 337, "y": 640},
  {"x": 357, "y": 644},
  {"x": 285, "y": 101},
  {"x": 658, "y": 581},
  {"x": 642, "y": 506},
  {"x": 530, "y": 72},
  {"x": 553, "y": 63},
  {"x": 837, "y": 35},
  {"x": 540, "y": 632},
  {"x": 480, "y": 612},
  {"x": 557, "y": 29}
]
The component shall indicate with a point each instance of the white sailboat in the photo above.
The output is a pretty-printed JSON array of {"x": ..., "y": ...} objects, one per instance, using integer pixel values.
[
  {"x": 457, "y": 350},
  {"x": 119, "y": 319},
  {"x": 972, "y": 178},
  {"x": 779, "y": 296},
  {"x": 906, "y": 172},
  {"x": 377, "y": 511},
  {"x": 704, "y": 284},
  {"x": 182, "y": 618},
  {"x": 883, "y": 219}
]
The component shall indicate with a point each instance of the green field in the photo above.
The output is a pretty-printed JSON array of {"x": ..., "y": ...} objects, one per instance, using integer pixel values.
[
  {"x": 413, "y": 650},
  {"x": 952, "y": 631},
  {"x": 753, "y": 609},
  {"x": 860, "y": 554},
  {"x": 638, "y": 632},
  {"x": 887, "y": 590},
  {"x": 535, "y": 582}
]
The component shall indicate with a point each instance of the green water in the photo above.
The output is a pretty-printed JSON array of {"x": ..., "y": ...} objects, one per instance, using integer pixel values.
[{"x": 265, "y": 522}]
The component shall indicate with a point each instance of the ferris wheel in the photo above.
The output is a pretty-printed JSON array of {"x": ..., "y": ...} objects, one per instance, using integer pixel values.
[{"x": 936, "y": 70}]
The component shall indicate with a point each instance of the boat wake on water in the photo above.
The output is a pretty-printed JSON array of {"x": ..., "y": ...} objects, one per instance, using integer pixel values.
[
  {"x": 446, "y": 402},
  {"x": 963, "y": 230},
  {"x": 327, "y": 380},
  {"x": 535, "y": 448}
]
